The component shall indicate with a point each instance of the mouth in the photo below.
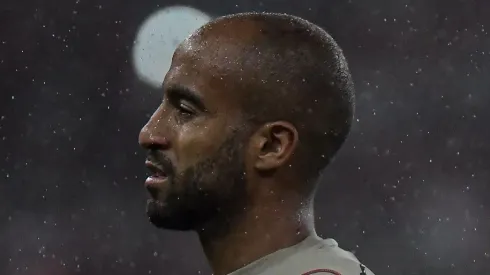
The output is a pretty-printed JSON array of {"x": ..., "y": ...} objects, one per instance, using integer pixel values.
[
  {"x": 157, "y": 176},
  {"x": 155, "y": 169}
]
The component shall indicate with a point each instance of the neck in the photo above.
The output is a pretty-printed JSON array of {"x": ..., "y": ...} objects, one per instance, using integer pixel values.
[{"x": 254, "y": 233}]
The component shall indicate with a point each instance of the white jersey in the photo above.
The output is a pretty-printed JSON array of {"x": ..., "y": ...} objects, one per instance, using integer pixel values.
[{"x": 313, "y": 256}]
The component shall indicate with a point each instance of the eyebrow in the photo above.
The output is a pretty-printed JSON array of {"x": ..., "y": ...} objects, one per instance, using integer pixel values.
[{"x": 175, "y": 91}]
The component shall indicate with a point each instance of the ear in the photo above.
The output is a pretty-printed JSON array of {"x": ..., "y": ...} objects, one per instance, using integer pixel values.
[{"x": 275, "y": 144}]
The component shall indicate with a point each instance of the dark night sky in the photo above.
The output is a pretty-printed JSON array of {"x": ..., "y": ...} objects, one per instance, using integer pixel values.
[{"x": 408, "y": 193}]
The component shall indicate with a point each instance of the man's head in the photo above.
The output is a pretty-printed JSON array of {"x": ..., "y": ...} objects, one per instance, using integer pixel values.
[{"x": 249, "y": 98}]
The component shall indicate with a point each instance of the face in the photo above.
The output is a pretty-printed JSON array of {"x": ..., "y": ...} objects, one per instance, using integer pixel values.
[{"x": 195, "y": 142}]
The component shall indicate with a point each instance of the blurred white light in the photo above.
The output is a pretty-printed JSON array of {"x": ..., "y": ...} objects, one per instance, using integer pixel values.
[{"x": 159, "y": 36}]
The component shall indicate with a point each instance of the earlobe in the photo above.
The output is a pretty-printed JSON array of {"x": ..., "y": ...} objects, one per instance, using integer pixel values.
[{"x": 276, "y": 144}]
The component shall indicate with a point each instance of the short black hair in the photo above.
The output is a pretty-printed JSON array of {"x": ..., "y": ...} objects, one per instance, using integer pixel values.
[{"x": 301, "y": 76}]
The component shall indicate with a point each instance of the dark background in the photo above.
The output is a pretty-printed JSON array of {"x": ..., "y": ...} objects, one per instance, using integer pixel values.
[{"x": 408, "y": 193}]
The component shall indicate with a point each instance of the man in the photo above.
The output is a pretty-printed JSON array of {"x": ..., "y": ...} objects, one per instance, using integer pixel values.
[{"x": 254, "y": 106}]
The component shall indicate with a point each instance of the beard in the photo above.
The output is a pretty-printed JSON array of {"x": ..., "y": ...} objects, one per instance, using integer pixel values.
[{"x": 213, "y": 189}]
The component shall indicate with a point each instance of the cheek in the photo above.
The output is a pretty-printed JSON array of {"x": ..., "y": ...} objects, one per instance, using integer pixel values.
[{"x": 198, "y": 142}]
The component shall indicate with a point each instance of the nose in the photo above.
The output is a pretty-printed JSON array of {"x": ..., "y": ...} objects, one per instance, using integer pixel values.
[
  {"x": 152, "y": 135},
  {"x": 148, "y": 140}
]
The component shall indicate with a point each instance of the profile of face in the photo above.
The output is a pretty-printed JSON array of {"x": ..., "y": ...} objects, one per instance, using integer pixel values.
[{"x": 195, "y": 143}]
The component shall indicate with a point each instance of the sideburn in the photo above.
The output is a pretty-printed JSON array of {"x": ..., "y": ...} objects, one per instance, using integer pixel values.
[{"x": 220, "y": 185}]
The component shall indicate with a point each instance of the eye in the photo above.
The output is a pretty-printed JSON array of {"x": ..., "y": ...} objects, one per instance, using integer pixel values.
[{"x": 185, "y": 109}]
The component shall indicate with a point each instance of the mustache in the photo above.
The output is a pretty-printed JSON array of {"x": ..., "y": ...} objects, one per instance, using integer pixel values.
[{"x": 159, "y": 159}]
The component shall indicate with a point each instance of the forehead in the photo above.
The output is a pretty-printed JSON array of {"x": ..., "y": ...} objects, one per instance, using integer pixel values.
[{"x": 210, "y": 70}]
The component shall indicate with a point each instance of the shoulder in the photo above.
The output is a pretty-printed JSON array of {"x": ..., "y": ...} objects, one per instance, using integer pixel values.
[
  {"x": 346, "y": 267},
  {"x": 325, "y": 258}
]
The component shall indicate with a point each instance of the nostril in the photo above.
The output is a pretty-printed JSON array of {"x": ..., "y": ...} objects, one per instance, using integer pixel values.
[
  {"x": 158, "y": 140},
  {"x": 153, "y": 147},
  {"x": 152, "y": 142}
]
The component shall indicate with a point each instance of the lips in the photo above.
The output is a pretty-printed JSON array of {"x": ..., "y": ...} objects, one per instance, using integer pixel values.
[
  {"x": 158, "y": 175},
  {"x": 156, "y": 170}
]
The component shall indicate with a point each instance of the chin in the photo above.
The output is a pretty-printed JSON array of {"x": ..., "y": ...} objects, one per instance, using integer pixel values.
[{"x": 162, "y": 216}]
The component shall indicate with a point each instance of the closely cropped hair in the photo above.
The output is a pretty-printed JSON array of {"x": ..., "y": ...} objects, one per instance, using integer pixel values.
[{"x": 302, "y": 77}]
